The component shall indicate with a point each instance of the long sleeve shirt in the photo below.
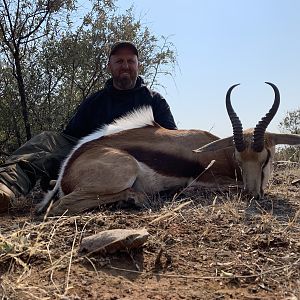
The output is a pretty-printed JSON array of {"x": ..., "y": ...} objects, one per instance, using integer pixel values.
[{"x": 108, "y": 104}]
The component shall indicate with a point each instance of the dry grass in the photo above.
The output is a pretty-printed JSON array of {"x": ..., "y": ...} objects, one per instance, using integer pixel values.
[{"x": 205, "y": 244}]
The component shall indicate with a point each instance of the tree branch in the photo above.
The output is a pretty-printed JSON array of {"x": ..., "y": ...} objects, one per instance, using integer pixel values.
[{"x": 36, "y": 28}]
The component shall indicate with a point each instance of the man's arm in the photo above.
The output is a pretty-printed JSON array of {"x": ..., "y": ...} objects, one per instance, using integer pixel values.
[
  {"x": 162, "y": 113},
  {"x": 80, "y": 124}
]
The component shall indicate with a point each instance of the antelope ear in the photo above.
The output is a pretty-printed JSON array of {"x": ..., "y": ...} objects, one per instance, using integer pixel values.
[
  {"x": 285, "y": 138},
  {"x": 216, "y": 145}
]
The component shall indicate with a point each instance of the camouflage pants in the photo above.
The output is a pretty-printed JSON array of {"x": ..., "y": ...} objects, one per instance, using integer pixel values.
[{"x": 39, "y": 158}]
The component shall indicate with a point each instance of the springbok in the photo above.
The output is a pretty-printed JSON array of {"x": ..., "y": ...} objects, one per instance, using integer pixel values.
[
  {"x": 134, "y": 156},
  {"x": 253, "y": 149}
]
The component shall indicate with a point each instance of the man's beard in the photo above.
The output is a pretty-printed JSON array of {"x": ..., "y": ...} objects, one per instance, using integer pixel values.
[{"x": 124, "y": 82}]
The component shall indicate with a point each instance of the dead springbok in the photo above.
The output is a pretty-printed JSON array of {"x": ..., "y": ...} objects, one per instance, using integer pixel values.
[
  {"x": 254, "y": 149},
  {"x": 134, "y": 156}
]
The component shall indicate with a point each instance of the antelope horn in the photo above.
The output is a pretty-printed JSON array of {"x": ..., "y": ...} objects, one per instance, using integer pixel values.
[
  {"x": 238, "y": 137},
  {"x": 260, "y": 129}
]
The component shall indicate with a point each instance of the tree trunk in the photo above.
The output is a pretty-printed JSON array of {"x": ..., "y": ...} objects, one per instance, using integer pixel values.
[{"x": 23, "y": 100}]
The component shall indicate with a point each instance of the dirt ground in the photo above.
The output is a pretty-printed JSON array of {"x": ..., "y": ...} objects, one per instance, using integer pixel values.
[{"x": 205, "y": 244}]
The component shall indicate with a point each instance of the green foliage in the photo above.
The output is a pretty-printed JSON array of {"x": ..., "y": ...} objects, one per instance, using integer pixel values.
[
  {"x": 290, "y": 124},
  {"x": 65, "y": 60},
  {"x": 23, "y": 25},
  {"x": 10, "y": 121}
]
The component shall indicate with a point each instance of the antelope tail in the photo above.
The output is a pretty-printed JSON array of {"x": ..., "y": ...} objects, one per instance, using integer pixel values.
[{"x": 47, "y": 198}]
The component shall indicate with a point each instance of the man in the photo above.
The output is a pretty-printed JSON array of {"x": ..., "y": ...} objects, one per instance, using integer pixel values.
[{"x": 41, "y": 157}]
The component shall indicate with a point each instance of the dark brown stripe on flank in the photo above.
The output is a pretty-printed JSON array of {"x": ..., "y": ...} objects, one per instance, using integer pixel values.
[{"x": 166, "y": 164}]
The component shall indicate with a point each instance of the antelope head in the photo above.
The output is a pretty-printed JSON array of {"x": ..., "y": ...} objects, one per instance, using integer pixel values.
[{"x": 253, "y": 148}]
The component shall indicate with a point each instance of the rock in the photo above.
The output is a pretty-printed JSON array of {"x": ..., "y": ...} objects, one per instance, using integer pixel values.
[{"x": 111, "y": 241}]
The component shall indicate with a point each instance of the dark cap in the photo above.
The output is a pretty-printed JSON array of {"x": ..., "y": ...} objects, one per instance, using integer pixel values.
[{"x": 123, "y": 44}]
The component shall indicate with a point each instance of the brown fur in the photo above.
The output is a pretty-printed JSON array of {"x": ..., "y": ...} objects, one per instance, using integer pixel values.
[{"x": 105, "y": 168}]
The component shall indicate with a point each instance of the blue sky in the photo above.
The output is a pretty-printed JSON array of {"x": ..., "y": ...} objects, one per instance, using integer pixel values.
[{"x": 220, "y": 43}]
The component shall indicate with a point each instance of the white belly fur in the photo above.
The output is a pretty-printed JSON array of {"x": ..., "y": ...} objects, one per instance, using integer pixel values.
[{"x": 150, "y": 182}]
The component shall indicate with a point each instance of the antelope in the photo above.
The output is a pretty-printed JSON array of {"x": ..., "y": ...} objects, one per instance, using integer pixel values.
[
  {"x": 253, "y": 149},
  {"x": 134, "y": 157}
]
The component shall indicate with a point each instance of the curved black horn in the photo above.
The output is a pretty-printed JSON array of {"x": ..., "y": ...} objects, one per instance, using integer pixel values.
[
  {"x": 238, "y": 137},
  {"x": 260, "y": 129}
]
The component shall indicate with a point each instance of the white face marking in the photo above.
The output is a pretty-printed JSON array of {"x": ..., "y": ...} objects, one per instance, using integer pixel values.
[{"x": 256, "y": 169}]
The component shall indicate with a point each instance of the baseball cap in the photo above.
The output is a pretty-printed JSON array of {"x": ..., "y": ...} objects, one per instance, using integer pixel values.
[{"x": 123, "y": 44}]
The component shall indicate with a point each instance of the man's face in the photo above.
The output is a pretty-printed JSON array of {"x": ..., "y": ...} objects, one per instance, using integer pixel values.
[{"x": 123, "y": 66}]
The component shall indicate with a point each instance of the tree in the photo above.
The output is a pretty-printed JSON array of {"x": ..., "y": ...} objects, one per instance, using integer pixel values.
[
  {"x": 22, "y": 24},
  {"x": 290, "y": 124},
  {"x": 9, "y": 121}
]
